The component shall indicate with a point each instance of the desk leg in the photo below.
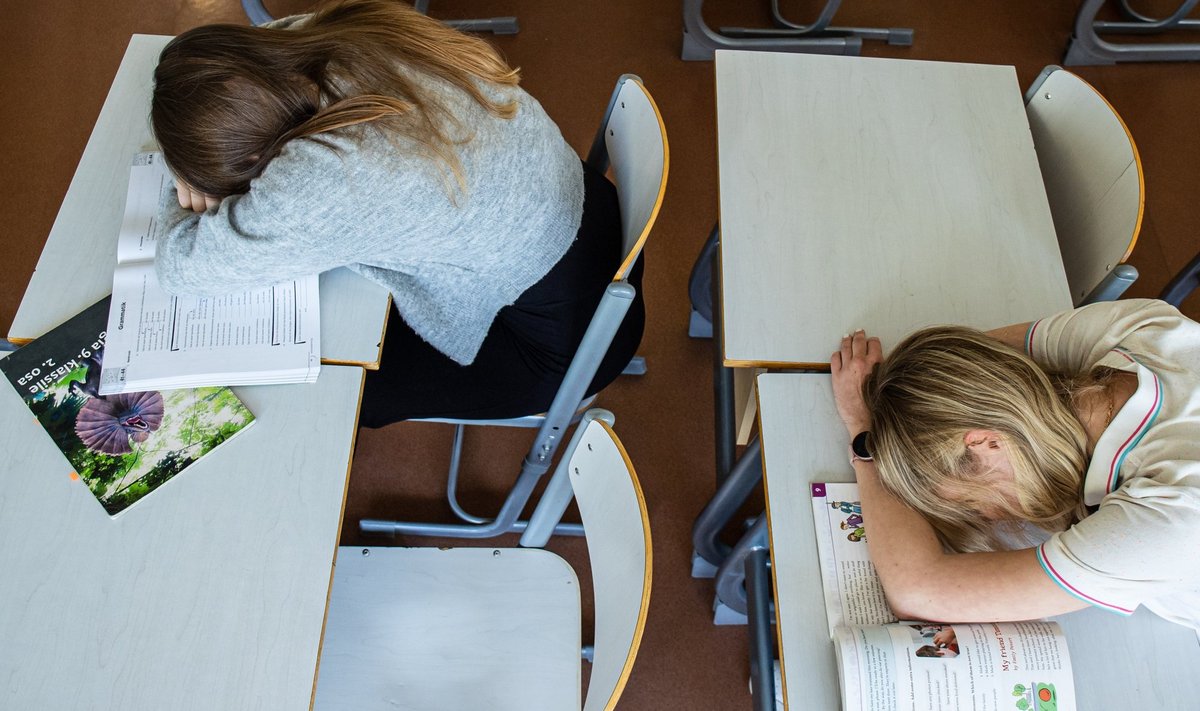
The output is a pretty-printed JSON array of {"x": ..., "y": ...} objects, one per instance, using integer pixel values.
[
  {"x": 762, "y": 659},
  {"x": 700, "y": 41},
  {"x": 730, "y": 496},
  {"x": 725, "y": 415},
  {"x": 1087, "y": 48}
]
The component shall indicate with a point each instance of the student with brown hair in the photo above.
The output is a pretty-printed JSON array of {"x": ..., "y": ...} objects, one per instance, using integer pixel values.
[
  {"x": 369, "y": 136},
  {"x": 1081, "y": 428}
]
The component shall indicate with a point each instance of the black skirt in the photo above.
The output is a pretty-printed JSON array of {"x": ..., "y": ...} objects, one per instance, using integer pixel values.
[{"x": 530, "y": 344}]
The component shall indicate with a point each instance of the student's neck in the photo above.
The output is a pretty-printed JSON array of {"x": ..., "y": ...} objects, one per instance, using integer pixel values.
[{"x": 1096, "y": 412}]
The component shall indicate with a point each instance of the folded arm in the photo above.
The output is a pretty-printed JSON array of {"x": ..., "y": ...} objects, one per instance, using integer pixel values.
[{"x": 920, "y": 579}]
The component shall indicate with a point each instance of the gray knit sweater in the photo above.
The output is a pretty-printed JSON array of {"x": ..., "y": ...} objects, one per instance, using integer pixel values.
[{"x": 450, "y": 260}]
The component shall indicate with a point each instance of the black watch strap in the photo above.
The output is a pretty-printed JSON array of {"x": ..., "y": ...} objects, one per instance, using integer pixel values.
[{"x": 860, "y": 447}]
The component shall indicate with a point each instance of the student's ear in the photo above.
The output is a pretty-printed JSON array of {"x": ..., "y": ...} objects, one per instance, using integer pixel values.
[{"x": 977, "y": 438}]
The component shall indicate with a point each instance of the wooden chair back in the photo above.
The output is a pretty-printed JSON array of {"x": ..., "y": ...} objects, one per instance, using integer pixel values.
[
  {"x": 618, "y": 537},
  {"x": 1092, "y": 173},
  {"x": 633, "y": 140}
]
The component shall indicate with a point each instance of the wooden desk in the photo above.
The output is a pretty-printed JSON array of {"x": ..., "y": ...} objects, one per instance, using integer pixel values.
[
  {"x": 883, "y": 194},
  {"x": 210, "y": 594},
  {"x": 75, "y": 269},
  {"x": 1141, "y": 662}
]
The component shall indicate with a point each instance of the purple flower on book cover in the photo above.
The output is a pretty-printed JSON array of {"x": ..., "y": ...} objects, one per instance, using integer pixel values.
[{"x": 111, "y": 424}]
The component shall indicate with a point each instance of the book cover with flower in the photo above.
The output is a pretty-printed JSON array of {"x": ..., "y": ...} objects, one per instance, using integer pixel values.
[{"x": 123, "y": 447}]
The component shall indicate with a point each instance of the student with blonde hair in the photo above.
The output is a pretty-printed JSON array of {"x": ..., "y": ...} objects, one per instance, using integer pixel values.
[
  {"x": 1082, "y": 429},
  {"x": 369, "y": 136}
]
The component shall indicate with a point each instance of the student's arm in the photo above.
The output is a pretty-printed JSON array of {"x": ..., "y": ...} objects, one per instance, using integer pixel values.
[
  {"x": 1013, "y": 335},
  {"x": 922, "y": 581}
]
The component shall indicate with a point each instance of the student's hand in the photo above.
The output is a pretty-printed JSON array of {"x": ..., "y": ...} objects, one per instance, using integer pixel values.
[
  {"x": 850, "y": 366},
  {"x": 192, "y": 199}
]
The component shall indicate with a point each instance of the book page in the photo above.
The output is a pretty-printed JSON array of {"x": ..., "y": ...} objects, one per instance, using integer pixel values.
[
  {"x": 1003, "y": 666},
  {"x": 150, "y": 184},
  {"x": 853, "y": 593},
  {"x": 156, "y": 340}
]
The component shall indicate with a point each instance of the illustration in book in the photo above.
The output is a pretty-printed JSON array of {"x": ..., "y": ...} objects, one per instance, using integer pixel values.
[{"x": 122, "y": 446}]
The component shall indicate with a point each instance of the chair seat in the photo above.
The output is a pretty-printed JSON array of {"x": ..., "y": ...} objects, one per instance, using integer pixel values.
[{"x": 460, "y": 628}]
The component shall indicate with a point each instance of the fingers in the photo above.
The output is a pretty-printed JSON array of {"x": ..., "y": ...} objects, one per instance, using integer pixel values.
[
  {"x": 199, "y": 202},
  {"x": 874, "y": 350},
  {"x": 192, "y": 199},
  {"x": 184, "y": 193},
  {"x": 859, "y": 345}
]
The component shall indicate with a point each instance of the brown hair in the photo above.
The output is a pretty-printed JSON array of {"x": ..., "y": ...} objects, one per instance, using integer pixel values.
[
  {"x": 227, "y": 97},
  {"x": 941, "y": 383}
]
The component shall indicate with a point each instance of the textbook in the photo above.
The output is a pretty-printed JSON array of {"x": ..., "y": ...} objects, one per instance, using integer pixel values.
[
  {"x": 157, "y": 341},
  {"x": 122, "y": 446},
  {"x": 884, "y": 663}
]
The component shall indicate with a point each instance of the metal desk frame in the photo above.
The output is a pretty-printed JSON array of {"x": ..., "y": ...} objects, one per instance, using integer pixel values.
[
  {"x": 1087, "y": 48},
  {"x": 818, "y": 37}
]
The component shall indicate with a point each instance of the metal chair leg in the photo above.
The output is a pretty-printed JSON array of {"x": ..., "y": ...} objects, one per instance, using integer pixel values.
[
  {"x": 1086, "y": 48},
  {"x": 730, "y": 496},
  {"x": 762, "y": 659},
  {"x": 700, "y": 41},
  {"x": 452, "y": 480},
  {"x": 731, "y": 578}
]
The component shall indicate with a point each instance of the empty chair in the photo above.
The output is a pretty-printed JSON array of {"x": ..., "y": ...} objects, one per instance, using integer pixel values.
[
  {"x": 1093, "y": 180},
  {"x": 633, "y": 142},
  {"x": 496, "y": 629}
]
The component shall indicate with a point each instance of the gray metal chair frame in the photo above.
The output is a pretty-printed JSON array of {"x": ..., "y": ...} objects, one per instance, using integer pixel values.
[
  {"x": 567, "y": 407},
  {"x": 819, "y": 37},
  {"x": 497, "y": 25},
  {"x": 1182, "y": 284},
  {"x": 701, "y": 287},
  {"x": 1087, "y": 48},
  {"x": 744, "y": 585}
]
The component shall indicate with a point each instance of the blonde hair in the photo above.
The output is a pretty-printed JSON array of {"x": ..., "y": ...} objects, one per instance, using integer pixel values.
[
  {"x": 228, "y": 97},
  {"x": 941, "y": 383}
]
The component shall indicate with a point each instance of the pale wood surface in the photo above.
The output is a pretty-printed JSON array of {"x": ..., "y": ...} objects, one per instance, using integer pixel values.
[
  {"x": 803, "y": 442},
  {"x": 1141, "y": 662},
  {"x": 874, "y": 193},
  {"x": 208, "y": 594},
  {"x": 1093, "y": 179},
  {"x": 426, "y": 629},
  {"x": 745, "y": 402},
  {"x": 76, "y": 266},
  {"x": 613, "y": 511},
  {"x": 637, "y": 150}
]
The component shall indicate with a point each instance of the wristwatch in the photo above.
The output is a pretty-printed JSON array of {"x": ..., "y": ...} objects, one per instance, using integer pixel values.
[{"x": 860, "y": 450}]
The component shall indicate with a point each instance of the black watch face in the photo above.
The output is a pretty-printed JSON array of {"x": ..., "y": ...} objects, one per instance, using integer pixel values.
[{"x": 860, "y": 446}]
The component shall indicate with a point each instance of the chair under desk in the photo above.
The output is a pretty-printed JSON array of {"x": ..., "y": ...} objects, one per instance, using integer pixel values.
[{"x": 1137, "y": 662}]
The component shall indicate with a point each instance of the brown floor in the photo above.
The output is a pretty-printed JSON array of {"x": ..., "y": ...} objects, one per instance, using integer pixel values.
[{"x": 58, "y": 58}]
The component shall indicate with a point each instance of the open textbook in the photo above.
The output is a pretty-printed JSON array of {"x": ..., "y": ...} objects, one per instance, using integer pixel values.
[
  {"x": 887, "y": 664},
  {"x": 157, "y": 341}
]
